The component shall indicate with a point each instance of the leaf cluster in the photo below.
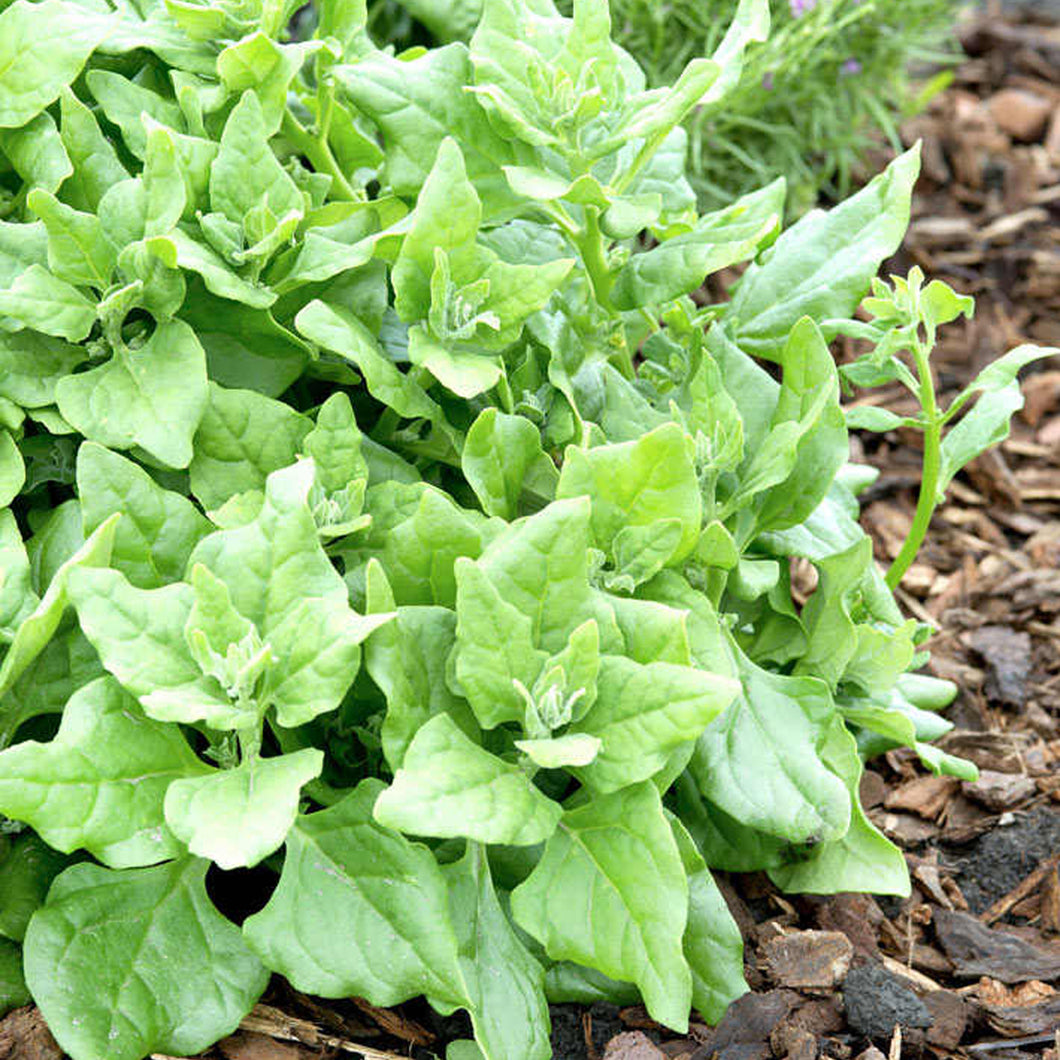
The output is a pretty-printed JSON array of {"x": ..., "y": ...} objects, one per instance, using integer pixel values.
[{"x": 379, "y": 507}]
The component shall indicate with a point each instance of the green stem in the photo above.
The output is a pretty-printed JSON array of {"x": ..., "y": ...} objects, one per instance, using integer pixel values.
[
  {"x": 319, "y": 154},
  {"x": 929, "y": 481},
  {"x": 249, "y": 743}
]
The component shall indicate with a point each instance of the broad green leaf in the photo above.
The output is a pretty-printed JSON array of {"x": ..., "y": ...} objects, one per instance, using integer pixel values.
[
  {"x": 236, "y": 817},
  {"x": 465, "y": 373},
  {"x": 505, "y": 984},
  {"x": 13, "y": 990},
  {"x": 31, "y": 365},
  {"x": 26, "y": 873},
  {"x": 95, "y": 162},
  {"x": 17, "y": 598},
  {"x": 259, "y": 64},
  {"x": 822, "y": 265},
  {"x": 760, "y": 760},
  {"x": 417, "y": 104},
  {"x": 573, "y": 749},
  {"x": 446, "y": 218},
  {"x": 406, "y": 659},
  {"x": 642, "y": 713},
  {"x": 635, "y": 484},
  {"x": 21, "y": 245},
  {"x": 335, "y": 444},
  {"x": 610, "y": 893},
  {"x": 243, "y": 436},
  {"x": 158, "y": 528},
  {"x": 679, "y": 265},
  {"x": 123, "y": 964},
  {"x": 153, "y": 397},
  {"x": 42, "y": 49},
  {"x": 494, "y": 648},
  {"x": 246, "y": 172},
  {"x": 36, "y": 153},
  {"x": 41, "y": 301},
  {"x": 862, "y": 859},
  {"x": 99, "y": 784},
  {"x": 124, "y": 101},
  {"x": 12, "y": 468},
  {"x": 139, "y": 634},
  {"x": 449, "y": 786},
  {"x": 712, "y": 943},
  {"x": 78, "y": 250},
  {"x": 177, "y": 248},
  {"x": 39, "y": 626},
  {"x": 359, "y": 910}
]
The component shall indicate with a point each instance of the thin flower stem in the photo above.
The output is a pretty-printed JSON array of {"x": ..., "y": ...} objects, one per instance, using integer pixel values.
[{"x": 929, "y": 481}]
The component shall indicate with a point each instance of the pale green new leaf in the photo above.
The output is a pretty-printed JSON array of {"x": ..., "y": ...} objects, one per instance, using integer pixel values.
[
  {"x": 502, "y": 458},
  {"x": 100, "y": 783},
  {"x": 43, "y": 302},
  {"x": 78, "y": 250},
  {"x": 236, "y": 817},
  {"x": 37, "y": 154},
  {"x": 123, "y": 964}
]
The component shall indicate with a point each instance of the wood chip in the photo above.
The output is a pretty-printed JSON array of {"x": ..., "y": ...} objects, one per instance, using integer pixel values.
[
  {"x": 977, "y": 950},
  {"x": 808, "y": 960}
]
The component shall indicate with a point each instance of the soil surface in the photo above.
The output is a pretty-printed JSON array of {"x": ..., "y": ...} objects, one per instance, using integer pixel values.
[{"x": 969, "y": 965}]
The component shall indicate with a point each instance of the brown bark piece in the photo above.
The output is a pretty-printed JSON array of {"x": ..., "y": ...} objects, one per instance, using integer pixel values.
[
  {"x": 1019, "y": 113},
  {"x": 632, "y": 1045},
  {"x": 1025, "y": 1019},
  {"x": 247, "y": 1046},
  {"x": 924, "y": 796},
  {"x": 808, "y": 960},
  {"x": 1000, "y": 791},
  {"x": 857, "y": 916},
  {"x": 24, "y": 1036},
  {"x": 1008, "y": 658},
  {"x": 743, "y": 1033},
  {"x": 977, "y": 950},
  {"x": 950, "y": 1015}
]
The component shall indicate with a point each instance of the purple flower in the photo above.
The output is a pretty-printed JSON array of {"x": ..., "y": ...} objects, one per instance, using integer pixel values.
[
  {"x": 850, "y": 68},
  {"x": 767, "y": 80},
  {"x": 801, "y": 7}
]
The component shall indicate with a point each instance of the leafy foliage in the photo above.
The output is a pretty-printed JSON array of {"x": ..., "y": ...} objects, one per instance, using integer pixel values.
[{"x": 313, "y": 355}]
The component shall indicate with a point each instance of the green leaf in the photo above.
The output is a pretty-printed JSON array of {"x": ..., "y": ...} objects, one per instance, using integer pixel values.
[
  {"x": 36, "y": 153},
  {"x": 26, "y": 873},
  {"x": 449, "y": 786},
  {"x": 635, "y": 484},
  {"x": 153, "y": 397},
  {"x": 862, "y": 859},
  {"x": 237, "y": 817},
  {"x": 177, "y": 248},
  {"x": 39, "y": 626},
  {"x": 95, "y": 162},
  {"x": 359, "y": 911},
  {"x": 417, "y": 104},
  {"x": 246, "y": 172},
  {"x": 502, "y": 457},
  {"x": 242, "y": 438},
  {"x": 822, "y": 265},
  {"x": 124, "y": 101},
  {"x": 679, "y": 265},
  {"x": 123, "y": 964},
  {"x": 610, "y": 892},
  {"x": 158, "y": 528},
  {"x": 642, "y": 713},
  {"x": 259, "y": 64},
  {"x": 13, "y": 991},
  {"x": 78, "y": 250},
  {"x": 100, "y": 783},
  {"x": 41, "y": 301},
  {"x": 335, "y": 444},
  {"x": 17, "y": 598},
  {"x": 139, "y": 634},
  {"x": 42, "y": 49},
  {"x": 505, "y": 983},
  {"x": 12, "y": 468},
  {"x": 712, "y": 943},
  {"x": 774, "y": 732}
]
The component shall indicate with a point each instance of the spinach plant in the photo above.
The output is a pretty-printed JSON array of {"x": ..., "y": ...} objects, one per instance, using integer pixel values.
[{"x": 381, "y": 508}]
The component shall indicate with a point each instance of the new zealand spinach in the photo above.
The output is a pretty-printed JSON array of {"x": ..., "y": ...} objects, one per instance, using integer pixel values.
[{"x": 380, "y": 506}]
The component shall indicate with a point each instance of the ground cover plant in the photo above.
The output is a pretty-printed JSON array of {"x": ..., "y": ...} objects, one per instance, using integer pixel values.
[
  {"x": 380, "y": 508},
  {"x": 832, "y": 78}
]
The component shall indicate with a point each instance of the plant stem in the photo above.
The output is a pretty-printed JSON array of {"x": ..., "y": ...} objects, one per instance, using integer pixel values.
[
  {"x": 929, "y": 481},
  {"x": 319, "y": 154}
]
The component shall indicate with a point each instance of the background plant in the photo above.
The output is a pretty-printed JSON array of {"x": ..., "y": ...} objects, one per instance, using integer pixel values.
[
  {"x": 812, "y": 99},
  {"x": 380, "y": 508}
]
